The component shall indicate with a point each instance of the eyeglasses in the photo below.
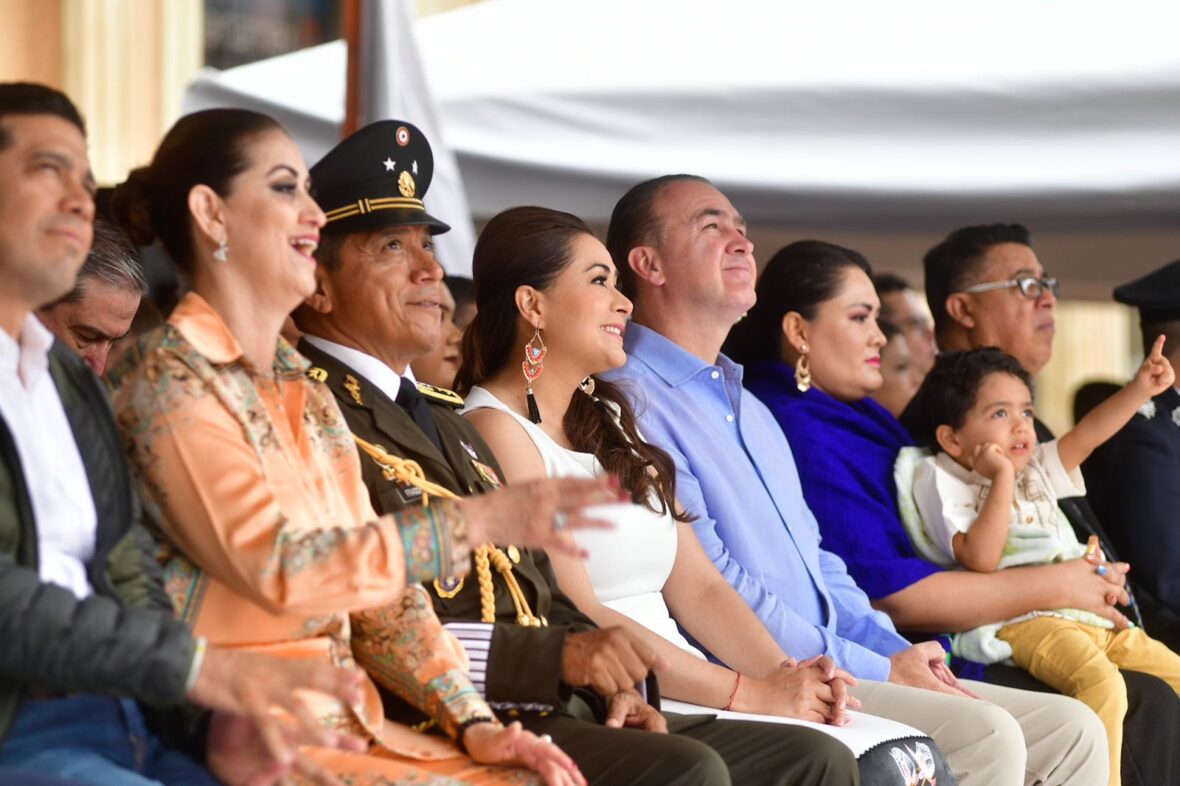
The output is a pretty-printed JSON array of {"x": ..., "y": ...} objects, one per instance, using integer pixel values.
[{"x": 1030, "y": 287}]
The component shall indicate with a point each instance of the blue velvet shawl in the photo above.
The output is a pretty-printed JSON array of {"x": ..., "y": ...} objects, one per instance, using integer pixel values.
[{"x": 845, "y": 454}]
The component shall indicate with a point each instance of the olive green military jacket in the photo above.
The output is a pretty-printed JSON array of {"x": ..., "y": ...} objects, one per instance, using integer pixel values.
[
  {"x": 50, "y": 639},
  {"x": 522, "y": 671}
]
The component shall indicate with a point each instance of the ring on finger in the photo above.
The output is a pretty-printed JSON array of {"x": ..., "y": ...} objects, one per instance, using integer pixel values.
[
  {"x": 544, "y": 739},
  {"x": 560, "y": 520},
  {"x": 1101, "y": 570}
]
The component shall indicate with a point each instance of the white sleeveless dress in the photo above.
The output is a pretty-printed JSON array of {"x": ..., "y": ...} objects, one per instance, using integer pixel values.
[{"x": 630, "y": 563}]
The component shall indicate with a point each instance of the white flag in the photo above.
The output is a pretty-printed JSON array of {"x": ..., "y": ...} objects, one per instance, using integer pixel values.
[{"x": 393, "y": 86}]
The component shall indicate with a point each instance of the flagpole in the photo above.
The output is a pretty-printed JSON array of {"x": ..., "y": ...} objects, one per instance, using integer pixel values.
[{"x": 351, "y": 23}]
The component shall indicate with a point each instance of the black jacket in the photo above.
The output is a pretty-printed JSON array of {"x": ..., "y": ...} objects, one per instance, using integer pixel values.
[
  {"x": 1133, "y": 483},
  {"x": 123, "y": 639}
]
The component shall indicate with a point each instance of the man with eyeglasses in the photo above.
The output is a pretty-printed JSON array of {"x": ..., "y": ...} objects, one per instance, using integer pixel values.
[{"x": 986, "y": 287}]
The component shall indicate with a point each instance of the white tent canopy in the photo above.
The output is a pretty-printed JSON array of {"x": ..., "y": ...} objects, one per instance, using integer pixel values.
[
  {"x": 901, "y": 115},
  {"x": 909, "y": 117}
]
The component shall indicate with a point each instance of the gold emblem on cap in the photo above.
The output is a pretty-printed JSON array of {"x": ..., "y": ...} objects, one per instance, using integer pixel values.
[
  {"x": 317, "y": 374},
  {"x": 405, "y": 184}
]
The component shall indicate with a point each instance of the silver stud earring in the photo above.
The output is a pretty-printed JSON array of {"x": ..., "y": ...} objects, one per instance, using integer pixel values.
[{"x": 222, "y": 252}]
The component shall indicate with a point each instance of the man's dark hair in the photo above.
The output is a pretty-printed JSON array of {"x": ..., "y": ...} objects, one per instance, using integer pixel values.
[
  {"x": 887, "y": 284},
  {"x": 634, "y": 222},
  {"x": 327, "y": 254},
  {"x": 1090, "y": 395},
  {"x": 950, "y": 266},
  {"x": 890, "y": 329},
  {"x": 27, "y": 98},
  {"x": 949, "y": 391},
  {"x": 462, "y": 289}
]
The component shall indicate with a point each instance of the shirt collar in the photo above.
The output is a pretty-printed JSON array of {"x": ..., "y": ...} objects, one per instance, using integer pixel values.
[
  {"x": 206, "y": 331},
  {"x": 28, "y": 356},
  {"x": 382, "y": 376},
  {"x": 672, "y": 362}
]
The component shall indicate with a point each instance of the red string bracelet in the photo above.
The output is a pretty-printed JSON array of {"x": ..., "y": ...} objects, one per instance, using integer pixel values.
[{"x": 732, "y": 696}]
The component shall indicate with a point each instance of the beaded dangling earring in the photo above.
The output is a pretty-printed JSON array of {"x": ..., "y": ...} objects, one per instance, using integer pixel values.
[
  {"x": 533, "y": 365},
  {"x": 222, "y": 252},
  {"x": 803, "y": 371}
]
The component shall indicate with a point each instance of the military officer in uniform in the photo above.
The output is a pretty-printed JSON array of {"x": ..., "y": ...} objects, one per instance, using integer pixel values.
[
  {"x": 1133, "y": 481},
  {"x": 534, "y": 655}
]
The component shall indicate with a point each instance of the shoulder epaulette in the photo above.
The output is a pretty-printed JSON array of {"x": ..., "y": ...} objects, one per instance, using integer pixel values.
[{"x": 442, "y": 395}]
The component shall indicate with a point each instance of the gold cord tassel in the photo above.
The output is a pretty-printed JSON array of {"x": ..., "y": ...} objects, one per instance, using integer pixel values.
[{"x": 408, "y": 471}]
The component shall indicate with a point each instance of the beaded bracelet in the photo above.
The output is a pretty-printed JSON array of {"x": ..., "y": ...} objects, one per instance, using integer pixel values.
[{"x": 462, "y": 728}]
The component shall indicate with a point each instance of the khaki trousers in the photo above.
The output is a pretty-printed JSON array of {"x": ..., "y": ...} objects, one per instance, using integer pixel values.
[
  {"x": 1083, "y": 661},
  {"x": 1011, "y": 737}
]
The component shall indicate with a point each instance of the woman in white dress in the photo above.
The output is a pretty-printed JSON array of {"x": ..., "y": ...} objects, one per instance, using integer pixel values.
[{"x": 544, "y": 283}]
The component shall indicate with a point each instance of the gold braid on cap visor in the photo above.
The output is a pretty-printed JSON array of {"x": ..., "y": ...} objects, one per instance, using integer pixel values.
[
  {"x": 364, "y": 206},
  {"x": 410, "y": 472}
]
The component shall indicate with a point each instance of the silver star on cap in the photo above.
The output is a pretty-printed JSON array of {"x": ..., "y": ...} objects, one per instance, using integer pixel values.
[
  {"x": 415, "y": 167},
  {"x": 390, "y": 164}
]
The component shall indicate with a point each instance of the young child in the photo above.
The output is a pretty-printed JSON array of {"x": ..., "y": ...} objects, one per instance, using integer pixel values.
[{"x": 987, "y": 500}]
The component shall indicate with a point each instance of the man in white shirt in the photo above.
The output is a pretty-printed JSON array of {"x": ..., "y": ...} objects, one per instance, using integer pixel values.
[{"x": 70, "y": 553}]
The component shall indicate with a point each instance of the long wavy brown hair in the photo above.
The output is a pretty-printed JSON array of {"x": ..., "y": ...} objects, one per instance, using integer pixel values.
[{"x": 532, "y": 246}]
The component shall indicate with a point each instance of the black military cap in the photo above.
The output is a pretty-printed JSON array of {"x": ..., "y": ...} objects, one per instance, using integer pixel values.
[
  {"x": 376, "y": 178},
  {"x": 1156, "y": 295}
]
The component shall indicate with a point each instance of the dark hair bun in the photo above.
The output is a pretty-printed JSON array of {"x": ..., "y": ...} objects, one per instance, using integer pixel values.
[{"x": 131, "y": 206}]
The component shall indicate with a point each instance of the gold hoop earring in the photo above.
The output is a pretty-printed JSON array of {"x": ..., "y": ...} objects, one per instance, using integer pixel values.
[
  {"x": 803, "y": 371},
  {"x": 534, "y": 363}
]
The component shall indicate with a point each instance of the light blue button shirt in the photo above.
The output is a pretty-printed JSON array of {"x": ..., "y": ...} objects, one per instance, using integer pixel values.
[{"x": 735, "y": 472}]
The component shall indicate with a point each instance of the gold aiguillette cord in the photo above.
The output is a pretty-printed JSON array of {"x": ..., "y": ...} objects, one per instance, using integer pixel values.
[{"x": 410, "y": 472}]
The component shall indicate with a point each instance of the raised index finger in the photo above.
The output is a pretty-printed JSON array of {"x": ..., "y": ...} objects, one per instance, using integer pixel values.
[{"x": 1157, "y": 349}]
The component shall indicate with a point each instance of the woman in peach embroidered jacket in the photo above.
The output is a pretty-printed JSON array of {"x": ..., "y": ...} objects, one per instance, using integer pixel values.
[{"x": 248, "y": 469}]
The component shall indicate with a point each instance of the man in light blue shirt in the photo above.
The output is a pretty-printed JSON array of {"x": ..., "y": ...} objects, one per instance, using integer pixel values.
[{"x": 684, "y": 259}]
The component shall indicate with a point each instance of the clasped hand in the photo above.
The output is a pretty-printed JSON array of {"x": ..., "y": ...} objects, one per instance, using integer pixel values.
[
  {"x": 924, "y": 666},
  {"x": 607, "y": 661},
  {"x": 611, "y": 664},
  {"x": 1095, "y": 585},
  {"x": 813, "y": 690}
]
